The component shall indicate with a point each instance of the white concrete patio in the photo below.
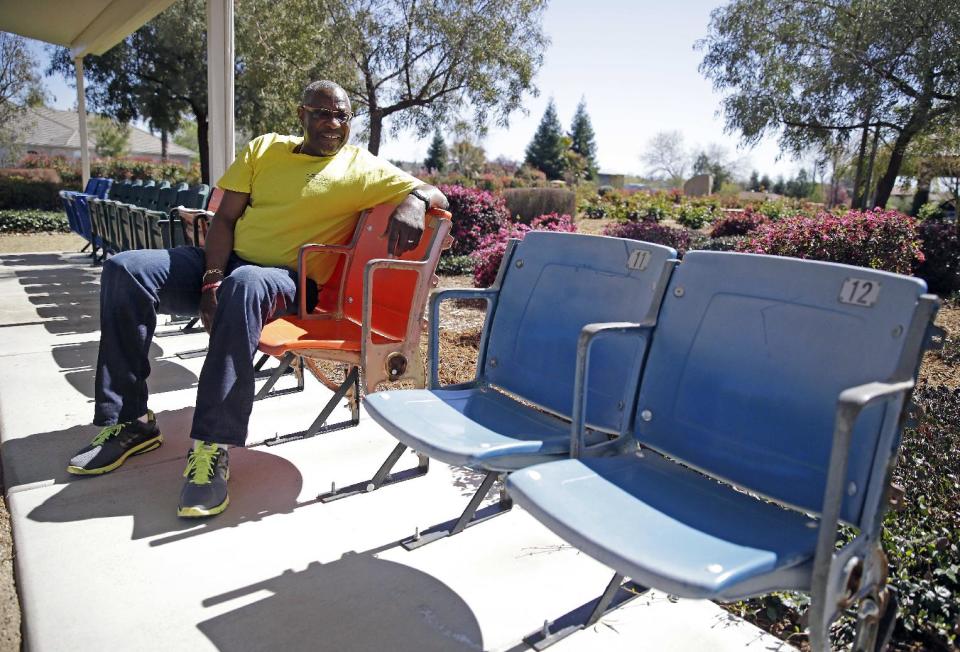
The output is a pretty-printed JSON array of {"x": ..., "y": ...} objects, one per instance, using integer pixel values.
[{"x": 104, "y": 563}]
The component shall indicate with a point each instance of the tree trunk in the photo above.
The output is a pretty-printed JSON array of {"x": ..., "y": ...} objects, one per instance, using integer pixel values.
[
  {"x": 885, "y": 185},
  {"x": 922, "y": 196},
  {"x": 164, "y": 138},
  {"x": 203, "y": 144},
  {"x": 376, "y": 131},
  {"x": 858, "y": 177},
  {"x": 865, "y": 203}
]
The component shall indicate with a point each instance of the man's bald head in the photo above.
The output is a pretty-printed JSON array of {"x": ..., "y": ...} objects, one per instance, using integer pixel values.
[{"x": 323, "y": 87}]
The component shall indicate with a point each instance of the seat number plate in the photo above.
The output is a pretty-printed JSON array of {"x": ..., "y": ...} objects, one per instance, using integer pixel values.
[
  {"x": 639, "y": 259},
  {"x": 860, "y": 292}
]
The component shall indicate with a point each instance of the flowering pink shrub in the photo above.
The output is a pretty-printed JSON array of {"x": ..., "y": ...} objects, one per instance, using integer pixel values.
[
  {"x": 476, "y": 213},
  {"x": 879, "y": 239},
  {"x": 738, "y": 223},
  {"x": 941, "y": 251},
  {"x": 650, "y": 231},
  {"x": 489, "y": 253}
]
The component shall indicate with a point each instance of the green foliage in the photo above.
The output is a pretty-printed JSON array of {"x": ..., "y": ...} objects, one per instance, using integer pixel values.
[
  {"x": 158, "y": 73},
  {"x": 18, "y": 192},
  {"x": 33, "y": 221},
  {"x": 186, "y": 136},
  {"x": 422, "y": 63},
  {"x": 436, "y": 160},
  {"x": 455, "y": 265},
  {"x": 112, "y": 138},
  {"x": 929, "y": 211},
  {"x": 19, "y": 87},
  {"x": 582, "y": 139},
  {"x": 114, "y": 168},
  {"x": 817, "y": 73},
  {"x": 546, "y": 151},
  {"x": 525, "y": 204},
  {"x": 695, "y": 215},
  {"x": 923, "y": 540}
]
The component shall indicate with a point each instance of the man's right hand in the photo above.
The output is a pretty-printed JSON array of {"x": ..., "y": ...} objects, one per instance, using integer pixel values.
[{"x": 208, "y": 308}]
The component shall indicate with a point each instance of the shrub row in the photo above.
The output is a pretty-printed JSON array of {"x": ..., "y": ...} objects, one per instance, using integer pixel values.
[
  {"x": 18, "y": 192},
  {"x": 879, "y": 239},
  {"x": 113, "y": 168},
  {"x": 693, "y": 212},
  {"x": 489, "y": 254},
  {"x": 33, "y": 221}
]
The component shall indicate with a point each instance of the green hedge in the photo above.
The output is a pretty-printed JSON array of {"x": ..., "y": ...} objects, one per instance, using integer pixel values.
[
  {"x": 33, "y": 221},
  {"x": 17, "y": 192}
]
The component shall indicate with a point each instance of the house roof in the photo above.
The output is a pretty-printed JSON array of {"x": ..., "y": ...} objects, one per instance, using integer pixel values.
[{"x": 46, "y": 127}]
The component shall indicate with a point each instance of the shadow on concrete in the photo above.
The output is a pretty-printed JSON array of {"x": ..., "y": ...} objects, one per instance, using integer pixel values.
[
  {"x": 78, "y": 361},
  {"x": 66, "y": 298},
  {"x": 358, "y": 602},
  {"x": 147, "y": 487}
]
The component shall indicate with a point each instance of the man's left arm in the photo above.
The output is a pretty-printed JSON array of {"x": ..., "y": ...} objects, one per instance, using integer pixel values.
[{"x": 407, "y": 222}]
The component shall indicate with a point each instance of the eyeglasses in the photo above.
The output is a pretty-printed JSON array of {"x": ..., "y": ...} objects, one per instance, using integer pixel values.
[{"x": 320, "y": 113}]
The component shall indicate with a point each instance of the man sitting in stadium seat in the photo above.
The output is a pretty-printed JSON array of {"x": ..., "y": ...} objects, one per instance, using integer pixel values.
[{"x": 280, "y": 193}]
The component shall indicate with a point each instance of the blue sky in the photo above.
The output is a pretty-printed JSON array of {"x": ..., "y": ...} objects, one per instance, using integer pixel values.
[{"x": 633, "y": 62}]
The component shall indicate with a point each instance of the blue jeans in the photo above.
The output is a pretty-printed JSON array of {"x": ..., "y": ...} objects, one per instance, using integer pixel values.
[{"x": 136, "y": 285}]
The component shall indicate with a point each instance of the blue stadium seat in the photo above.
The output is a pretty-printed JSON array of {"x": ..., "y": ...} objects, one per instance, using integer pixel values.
[
  {"x": 517, "y": 410},
  {"x": 769, "y": 411}
]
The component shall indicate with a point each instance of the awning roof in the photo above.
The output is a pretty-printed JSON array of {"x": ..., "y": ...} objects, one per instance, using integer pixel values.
[{"x": 84, "y": 26}]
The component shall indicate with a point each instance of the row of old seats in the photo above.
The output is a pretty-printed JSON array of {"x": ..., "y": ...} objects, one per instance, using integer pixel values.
[
  {"x": 702, "y": 427},
  {"x": 142, "y": 214}
]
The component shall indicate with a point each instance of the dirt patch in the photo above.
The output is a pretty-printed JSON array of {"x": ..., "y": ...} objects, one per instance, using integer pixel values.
[{"x": 18, "y": 244}]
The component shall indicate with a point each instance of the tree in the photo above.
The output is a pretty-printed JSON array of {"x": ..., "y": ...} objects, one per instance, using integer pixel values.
[
  {"x": 420, "y": 62},
  {"x": 437, "y": 154},
  {"x": 158, "y": 73},
  {"x": 816, "y": 71},
  {"x": 754, "y": 184},
  {"x": 466, "y": 155},
  {"x": 112, "y": 137},
  {"x": 19, "y": 86},
  {"x": 186, "y": 136},
  {"x": 582, "y": 139},
  {"x": 666, "y": 157},
  {"x": 765, "y": 183},
  {"x": 546, "y": 151}
]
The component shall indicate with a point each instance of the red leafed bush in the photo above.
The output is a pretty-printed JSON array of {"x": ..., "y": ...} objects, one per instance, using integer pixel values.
[
  {"x": 650, "y": 231},
  {"x": 476, "y": 213},
  {"x": 941, "y": 251},
  {"x": 738, "y": 223},
  {"x": 880, "y": 239},
  {"x": 489, "y": 253}
]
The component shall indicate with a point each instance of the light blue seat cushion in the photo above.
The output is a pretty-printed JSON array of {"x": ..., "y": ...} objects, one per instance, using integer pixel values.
[
  {"x": 477, "y": 427},
  {"x": 666, "y": 526}
]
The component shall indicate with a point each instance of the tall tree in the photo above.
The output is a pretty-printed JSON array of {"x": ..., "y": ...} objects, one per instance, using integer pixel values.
[
  {"x": 437, "y": 154},
  {"x": 158, "y": 73},
  {"x": 546, "y": 151},
  {"x": 112, "y": 137},
  {"x": 667, "y": 157},
  {"x": 19, "y": 86},
  {"x": 420, "y": 62},
  {"x": 582, "y": 139},
  {"x": 811, "y": 70}
]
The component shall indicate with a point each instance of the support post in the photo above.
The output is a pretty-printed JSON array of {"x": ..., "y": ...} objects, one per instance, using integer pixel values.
[
  {"x": 82, "y": 115},
  {"x": 220, "y": 86}
]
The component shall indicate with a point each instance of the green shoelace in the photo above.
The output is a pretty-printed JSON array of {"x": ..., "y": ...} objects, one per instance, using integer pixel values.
[
  {"x": 107, "y": 433},
  {"x": 200, "y": 462}
]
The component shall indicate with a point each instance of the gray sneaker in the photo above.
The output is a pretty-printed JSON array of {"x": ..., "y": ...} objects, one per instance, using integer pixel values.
[
  {"x": 205, "y": 491},
  {"x": 114, "y": 444}
]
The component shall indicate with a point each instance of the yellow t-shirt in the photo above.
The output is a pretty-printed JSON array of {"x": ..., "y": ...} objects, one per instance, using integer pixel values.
[{"x": 297, "y": 198}]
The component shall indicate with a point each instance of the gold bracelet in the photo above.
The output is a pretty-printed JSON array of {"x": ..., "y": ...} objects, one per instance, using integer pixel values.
[{"x": 212, "y": 271}]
